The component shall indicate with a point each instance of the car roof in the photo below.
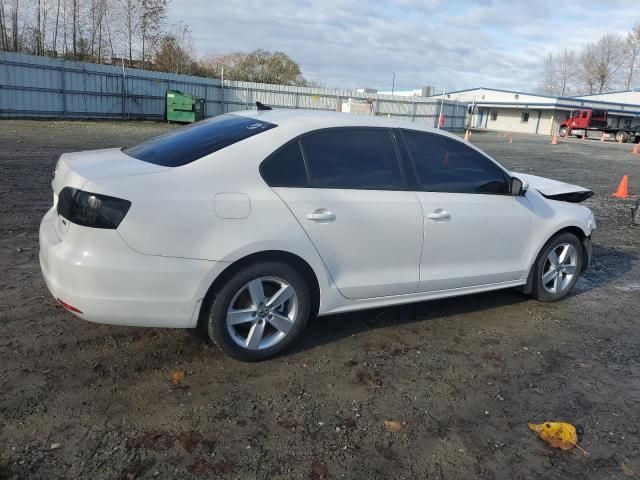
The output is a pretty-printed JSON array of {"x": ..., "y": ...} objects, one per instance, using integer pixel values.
[{"x": 299, "y": 121}]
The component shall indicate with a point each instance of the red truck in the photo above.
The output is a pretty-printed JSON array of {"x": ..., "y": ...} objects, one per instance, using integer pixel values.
[{"x": 582, "y": 122}]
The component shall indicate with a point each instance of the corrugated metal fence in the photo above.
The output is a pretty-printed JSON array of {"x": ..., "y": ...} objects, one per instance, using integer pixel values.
[{"x": 32, "y": 86}]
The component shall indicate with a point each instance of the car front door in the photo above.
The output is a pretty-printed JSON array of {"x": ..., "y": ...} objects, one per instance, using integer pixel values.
[
  {"x": 350, "y": 199},
  {"x": 475, "y": 232}
]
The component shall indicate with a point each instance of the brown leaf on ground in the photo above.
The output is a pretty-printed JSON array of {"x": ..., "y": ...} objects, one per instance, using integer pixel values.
[
  {"x": 367, "y": 380},
  {"x": 189, "y": 440},
  {"x": 287, "y": 423},
  {"x": 202, "y": 466},
  {"x": 627, "y": 471},
  {"x": 318, "y": 471},
  {"x": 154, "y": 440},
  {"x": 177, "y": 376},
  {"x": 394, "y": 425}
]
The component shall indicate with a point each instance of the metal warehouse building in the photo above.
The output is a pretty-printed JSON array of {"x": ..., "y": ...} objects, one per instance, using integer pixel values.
[{"x": 511, "y": 111}]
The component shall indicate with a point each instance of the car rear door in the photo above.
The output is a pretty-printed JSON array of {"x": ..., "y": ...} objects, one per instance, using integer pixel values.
[
  {"x": 475, "y": 232},
  {"x": 344, "y": 186}
]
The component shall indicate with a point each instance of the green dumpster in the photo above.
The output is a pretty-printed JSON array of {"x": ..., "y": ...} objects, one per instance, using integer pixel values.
[{"x": 183, "y": 107}]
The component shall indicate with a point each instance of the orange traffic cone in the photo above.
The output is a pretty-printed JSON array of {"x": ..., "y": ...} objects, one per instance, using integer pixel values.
[
  {"x": 622, "y": 188},
  {"x": 467, "y": 136},
  {"x": 636, "y": 149},
  {"x": 510, "y": 138},
  {"x": 620, "y": 139},
  {"x": 554, "y": 139},
  {"x": 602, "y": 137}
]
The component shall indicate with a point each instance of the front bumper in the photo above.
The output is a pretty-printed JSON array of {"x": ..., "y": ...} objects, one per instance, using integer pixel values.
[
  {"x": 587, "y": 244},
  {"x": 96, "y": 272}
]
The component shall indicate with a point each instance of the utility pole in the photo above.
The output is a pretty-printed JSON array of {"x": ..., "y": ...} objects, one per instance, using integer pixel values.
[
  {"x": 441, "y": 107},
  {"x": 393, "y": 83}
]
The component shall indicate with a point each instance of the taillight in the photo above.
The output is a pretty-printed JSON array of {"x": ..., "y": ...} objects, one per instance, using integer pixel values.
[{"x": 91, "y": 209}]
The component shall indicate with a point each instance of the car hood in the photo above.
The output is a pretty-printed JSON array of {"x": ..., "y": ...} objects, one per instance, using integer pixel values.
[{"x": 554, "y": 189}]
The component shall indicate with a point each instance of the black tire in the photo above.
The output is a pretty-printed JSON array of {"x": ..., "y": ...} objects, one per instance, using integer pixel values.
[
  {"x": 216, "y": 320},
  {"x": 538, "y": 290},
  {"x": 622, "y": 136},
  {"x": 563, "y": 132}
]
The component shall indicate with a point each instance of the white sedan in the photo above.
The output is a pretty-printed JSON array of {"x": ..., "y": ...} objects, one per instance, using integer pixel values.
[{"x": 247, "y": 224}]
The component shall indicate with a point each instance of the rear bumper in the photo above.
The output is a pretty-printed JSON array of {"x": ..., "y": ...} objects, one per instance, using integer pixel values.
[{"x": 94, "y": 271}]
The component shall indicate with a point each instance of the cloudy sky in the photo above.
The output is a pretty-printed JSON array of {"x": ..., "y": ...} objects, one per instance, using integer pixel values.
[{"x": 449, "y": 44}]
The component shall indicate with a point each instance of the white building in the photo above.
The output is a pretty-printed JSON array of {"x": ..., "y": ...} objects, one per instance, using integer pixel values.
[{"x": 511, "y": 111}]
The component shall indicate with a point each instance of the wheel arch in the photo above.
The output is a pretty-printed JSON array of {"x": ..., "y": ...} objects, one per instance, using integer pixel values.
[
  {"x": 585, "y": 241},
  {"x": 292, "y": 259}
]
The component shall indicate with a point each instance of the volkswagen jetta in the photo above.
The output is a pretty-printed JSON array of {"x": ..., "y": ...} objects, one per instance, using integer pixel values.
[{"x": 246, "y": 224}]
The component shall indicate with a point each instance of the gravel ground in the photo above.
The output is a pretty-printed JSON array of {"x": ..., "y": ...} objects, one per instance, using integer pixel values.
[{"x": 79, "y": 400}]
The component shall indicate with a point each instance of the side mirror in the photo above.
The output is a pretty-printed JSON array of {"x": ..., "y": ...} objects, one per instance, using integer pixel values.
[{"x": 518, "y": 187}]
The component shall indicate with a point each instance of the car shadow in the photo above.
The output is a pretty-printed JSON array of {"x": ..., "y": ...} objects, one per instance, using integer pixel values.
[
  {"x": 331, "y": 328},
  {"x": 608, "y": 265}
]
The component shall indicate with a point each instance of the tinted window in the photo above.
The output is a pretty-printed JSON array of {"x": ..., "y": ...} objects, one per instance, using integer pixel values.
[
  {"x": 188, "y": 144},
  {"x": 352, "y": 158},
  {"x": 285, "y": 168},
  {"x": 446, "y": 165}
]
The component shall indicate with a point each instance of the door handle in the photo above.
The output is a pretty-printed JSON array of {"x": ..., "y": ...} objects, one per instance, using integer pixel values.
[
  {"x": 439, "y": 214},
  {"x": 321, "y": 214}
]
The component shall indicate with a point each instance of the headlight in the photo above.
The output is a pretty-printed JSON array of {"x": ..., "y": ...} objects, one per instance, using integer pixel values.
[{"x": 91, "y": 209}]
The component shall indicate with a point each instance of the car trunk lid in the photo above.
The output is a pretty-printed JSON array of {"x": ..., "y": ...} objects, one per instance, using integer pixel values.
[{"x": 76, "y": 169}]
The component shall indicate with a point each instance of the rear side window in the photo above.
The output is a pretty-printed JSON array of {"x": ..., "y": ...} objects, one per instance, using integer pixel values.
[
  {"x": 446, "y": 165},
  {"x": 191, "y": 143},
  {"x": 358, "y": 158},
  {"x": 285, "y": 168}
]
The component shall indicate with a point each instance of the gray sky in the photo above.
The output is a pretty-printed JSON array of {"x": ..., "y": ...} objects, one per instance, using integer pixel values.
[{"x": 431, "y": 42}]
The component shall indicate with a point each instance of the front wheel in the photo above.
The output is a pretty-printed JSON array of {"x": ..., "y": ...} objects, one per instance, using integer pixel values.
[
  {"x": 557, "y": 268},
  {"x": 563, "y": 132},
  {"x": 260, "y": 311}
]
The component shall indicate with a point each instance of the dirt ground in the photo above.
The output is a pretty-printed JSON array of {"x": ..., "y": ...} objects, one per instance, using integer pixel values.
[{"x": 79, "y": 400}]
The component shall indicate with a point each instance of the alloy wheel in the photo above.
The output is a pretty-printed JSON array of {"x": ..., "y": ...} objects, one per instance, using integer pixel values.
[
  {"x": 560, "y": 268},
  {"x": 262, "y": 313}
]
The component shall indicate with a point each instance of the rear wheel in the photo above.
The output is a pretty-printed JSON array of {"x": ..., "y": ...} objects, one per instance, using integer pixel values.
[
  {"x": 557, "y": 268},
  {"x": 622, "y": 136},
  {"x": 260, "y": 311}
]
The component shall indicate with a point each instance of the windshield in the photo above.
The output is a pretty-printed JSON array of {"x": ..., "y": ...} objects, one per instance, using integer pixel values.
[{"x": 191, "y": 143}]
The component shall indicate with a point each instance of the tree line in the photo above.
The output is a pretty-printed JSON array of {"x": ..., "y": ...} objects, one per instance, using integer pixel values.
[
  {"x": 610, "y": 63},
  {"x": 130, "y": 32}
]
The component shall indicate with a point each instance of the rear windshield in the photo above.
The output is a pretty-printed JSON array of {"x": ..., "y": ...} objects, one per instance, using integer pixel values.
[{"x": 188, "y": 144}]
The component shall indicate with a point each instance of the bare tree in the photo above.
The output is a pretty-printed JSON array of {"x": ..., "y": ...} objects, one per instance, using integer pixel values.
[
  {"x": 74, "y": 26},
  {"x": 132, "y": 24},
  {"x": 565, "y": 71},
  {"x": 4, "y": 38},
  {"x": 547, "y": 85},
  {"x": 601, "y": 62},
  {"x": 588, "y": 67},
  {"x": 632, "y": 54},
  {"x": 14, "y": 25},
  {"x": 55, "y": 30},
  {"x": 153, "y": 13},
  {"x": 175, "y": 53}
]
